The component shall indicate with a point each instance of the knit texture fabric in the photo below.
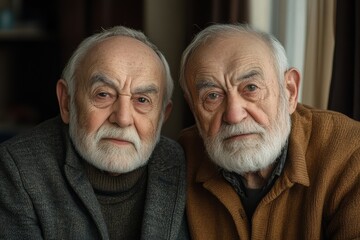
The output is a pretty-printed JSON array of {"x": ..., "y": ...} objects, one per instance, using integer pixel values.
[
  {"x": 122, "y": 200},
  {"x": 46, "y": 193},
  {"x": 316, "y": 197}
]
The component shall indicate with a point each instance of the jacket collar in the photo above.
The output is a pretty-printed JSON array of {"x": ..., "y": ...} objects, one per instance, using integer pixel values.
[
  {"x": 75, "y": 174},
  {"x": 165, "y": 199},
  {"x": 296, "y": 170}
]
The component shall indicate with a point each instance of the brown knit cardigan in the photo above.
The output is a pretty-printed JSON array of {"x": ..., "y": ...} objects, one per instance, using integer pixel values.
[{"x": 316, "y": 197}]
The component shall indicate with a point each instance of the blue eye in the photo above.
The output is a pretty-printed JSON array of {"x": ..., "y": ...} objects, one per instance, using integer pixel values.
[{"x": 251, "y": 87}]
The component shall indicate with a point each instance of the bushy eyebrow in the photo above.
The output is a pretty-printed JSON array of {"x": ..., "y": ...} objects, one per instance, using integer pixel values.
[
  {"x": 250, "y": 74},
  {"x": 203, "y": 84},
  {"x": 147, "y": 89},
  {"x": 101, "y": 78}
]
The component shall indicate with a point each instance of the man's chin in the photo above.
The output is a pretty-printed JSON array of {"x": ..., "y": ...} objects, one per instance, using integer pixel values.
[
  {"x": 244, "y": 166},
  {"x": 117, "y": 166}
]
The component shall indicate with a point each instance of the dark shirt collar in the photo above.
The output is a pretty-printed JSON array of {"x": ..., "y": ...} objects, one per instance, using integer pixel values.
[{"x": 235, "y": 179}]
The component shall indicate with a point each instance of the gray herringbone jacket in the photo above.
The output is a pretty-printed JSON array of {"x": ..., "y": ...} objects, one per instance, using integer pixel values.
[{"x": 44, "y": 192}]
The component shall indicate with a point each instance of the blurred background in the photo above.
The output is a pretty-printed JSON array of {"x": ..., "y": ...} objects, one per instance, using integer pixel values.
[{"x": 321, "y": 37}]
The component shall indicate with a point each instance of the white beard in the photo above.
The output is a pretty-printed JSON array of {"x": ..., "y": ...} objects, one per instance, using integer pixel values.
[
  {"x": 110, "y": 157},
  {"x": 253, "y": 154}
]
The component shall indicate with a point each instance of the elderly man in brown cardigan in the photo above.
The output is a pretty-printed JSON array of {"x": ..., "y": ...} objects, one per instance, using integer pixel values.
[{"x": 260, "y": 165}]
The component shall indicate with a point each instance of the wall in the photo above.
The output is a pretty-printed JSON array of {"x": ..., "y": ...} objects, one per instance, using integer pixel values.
[{"x": 165, "y": 26}]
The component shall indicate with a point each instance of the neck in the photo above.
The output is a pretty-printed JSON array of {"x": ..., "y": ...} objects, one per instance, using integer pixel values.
[{"x": 258, "y": 179}]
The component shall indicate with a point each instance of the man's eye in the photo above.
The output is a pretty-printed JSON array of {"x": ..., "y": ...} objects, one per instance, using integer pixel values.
[
  {"x": 251, "y": 87},
  {"x": 252, "y": 92},
  {"x": 103, "y": 94},
  {"x": 213, "y": 96},
  {"x": 143, "y": 100},
  {"x": 143, "y": 104},
  {"x": 212, "y": 100},
  {"x": 103, "y": 99}
]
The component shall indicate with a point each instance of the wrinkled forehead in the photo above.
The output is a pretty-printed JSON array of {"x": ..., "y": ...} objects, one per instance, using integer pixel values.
[
  {"x": 229, "y": 57},
  {"x": 124, "y": 48},
  {"x": 230, "y": 45},
  {"x": 122, "y": 55}
]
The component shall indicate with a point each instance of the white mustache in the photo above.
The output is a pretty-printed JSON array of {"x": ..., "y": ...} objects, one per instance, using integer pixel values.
[
  {"x": 228, "y": 131},
  {"x": 127, "y": 134}
]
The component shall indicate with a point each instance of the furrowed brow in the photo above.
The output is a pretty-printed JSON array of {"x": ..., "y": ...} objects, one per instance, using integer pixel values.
[
  {"x": 251, "y": 74},
  {"x": 148, "y": 89},
  {"x": 101, "y": 78},
  {"x": 203, "y": 84}
]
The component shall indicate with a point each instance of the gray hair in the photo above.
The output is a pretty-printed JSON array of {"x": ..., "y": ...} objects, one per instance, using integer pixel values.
[
  {"x": 69, "y": 72},
  {"x": 217, "y": 30}
]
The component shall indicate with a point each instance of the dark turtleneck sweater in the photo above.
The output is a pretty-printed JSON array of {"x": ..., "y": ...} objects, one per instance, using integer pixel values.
[{"x": 122, "y": 200}]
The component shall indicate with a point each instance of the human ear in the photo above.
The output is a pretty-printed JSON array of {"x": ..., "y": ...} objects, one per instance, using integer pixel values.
[
  {"x": 292, "y": 83},
  {"x": 168, "y": 110},
  {"x": 63, "y": 99}
]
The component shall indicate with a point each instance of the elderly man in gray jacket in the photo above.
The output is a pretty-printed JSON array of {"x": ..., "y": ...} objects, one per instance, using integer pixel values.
[{"x": 101, "y": 170}]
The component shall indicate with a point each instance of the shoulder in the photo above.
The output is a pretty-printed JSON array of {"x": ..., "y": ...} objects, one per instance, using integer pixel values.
[
  {"x": 168, "y": 152},
  {"x": 190, "y": 137},
  {"x": 45, "y": 131},
  {"x": 326, "y": 125},
  {"x": 328, "y": 140},
  {"x": 168, "y": 146},
  {"x": 43, "y": 140}
]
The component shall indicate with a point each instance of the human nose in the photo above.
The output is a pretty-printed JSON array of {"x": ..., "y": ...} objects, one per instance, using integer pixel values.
[
  {"x": 235, "y": 110},
  {"x": 121, "y": 111}
]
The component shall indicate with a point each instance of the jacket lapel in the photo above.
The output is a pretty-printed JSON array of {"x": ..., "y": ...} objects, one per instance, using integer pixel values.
[
  {"x": 75, "y": 174},
  {"x": 165, "y": 201}
]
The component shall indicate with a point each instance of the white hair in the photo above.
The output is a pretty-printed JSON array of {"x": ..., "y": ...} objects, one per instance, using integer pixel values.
[
  {"x": 69, "y": 72},
  {"x": 278, "y": 53}
]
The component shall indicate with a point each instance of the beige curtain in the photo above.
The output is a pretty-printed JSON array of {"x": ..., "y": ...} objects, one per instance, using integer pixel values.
[{"x": 319, "y": 52}]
